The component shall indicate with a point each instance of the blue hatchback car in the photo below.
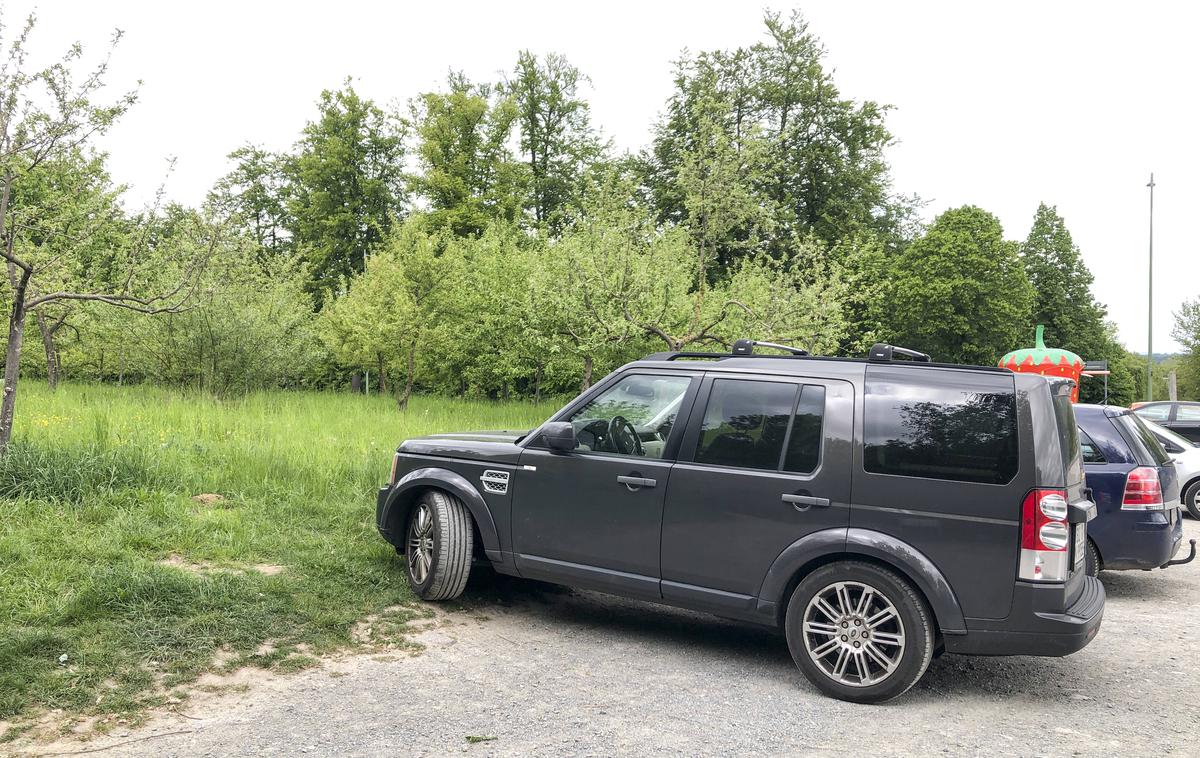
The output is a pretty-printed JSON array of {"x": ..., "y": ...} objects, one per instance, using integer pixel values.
[{"x": 1135, "y": 488}]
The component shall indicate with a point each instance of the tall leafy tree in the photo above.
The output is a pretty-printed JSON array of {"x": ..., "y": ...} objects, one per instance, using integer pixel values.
[
  {"x": 959, "y": 292},
  {"x": 557, "y": 139},
  {"x": 46, "y": 115},
  {"x": 80, "y": 223},
  {"x": 346, "y": 186},
  {"x": 1187, "y": 332},
  {"x": 1062, "y": 295},
  {"x": 825, "y": 173},
  {"x": 468, "y": 175},
  {"x": 1063, "y": 300},
  {"x": 254, "y": 196}
]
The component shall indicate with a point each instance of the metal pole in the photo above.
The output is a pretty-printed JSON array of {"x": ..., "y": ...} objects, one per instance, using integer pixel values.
[{"x": 1150, "y": 304}]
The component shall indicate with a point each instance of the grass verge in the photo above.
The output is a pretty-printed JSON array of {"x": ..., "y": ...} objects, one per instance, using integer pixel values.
[{"x": 116, "y": 585}]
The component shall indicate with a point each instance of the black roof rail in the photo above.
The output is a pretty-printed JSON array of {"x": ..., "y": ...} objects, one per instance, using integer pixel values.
[
  {"x": 741, "y": 349},
  {"x": 883, "y": 353}
]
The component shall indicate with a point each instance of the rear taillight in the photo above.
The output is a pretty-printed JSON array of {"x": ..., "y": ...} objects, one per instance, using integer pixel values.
[
  {"x": 395, "y": 463},
  {"x": 1045, "y": 536},
  {"x": 1143, "y": 491}
]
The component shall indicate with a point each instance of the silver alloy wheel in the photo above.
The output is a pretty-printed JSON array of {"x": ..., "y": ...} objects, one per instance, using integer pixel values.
[
  {"x": 1196, "y": 500},
  {"x": 420, "y": 544},
  {"x": 853, "y": 633}
]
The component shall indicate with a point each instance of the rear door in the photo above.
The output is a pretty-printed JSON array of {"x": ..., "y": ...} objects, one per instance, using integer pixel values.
[{"x": 765, "y": 461}]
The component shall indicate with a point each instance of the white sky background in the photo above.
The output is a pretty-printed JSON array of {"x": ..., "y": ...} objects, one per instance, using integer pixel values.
[{"x": 1001, "y": 106}]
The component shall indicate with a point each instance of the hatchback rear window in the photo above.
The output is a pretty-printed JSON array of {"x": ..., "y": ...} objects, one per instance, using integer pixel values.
[
  {"x": 1146, "y": 448},
  {"x": 944, "y": 426}
]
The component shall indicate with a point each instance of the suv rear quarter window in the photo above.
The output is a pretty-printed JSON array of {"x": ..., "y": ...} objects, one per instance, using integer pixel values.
[{"x": 960, "y": 427}]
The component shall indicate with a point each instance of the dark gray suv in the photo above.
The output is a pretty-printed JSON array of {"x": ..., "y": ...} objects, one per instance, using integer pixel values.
[{"x": 879, "y": 511}]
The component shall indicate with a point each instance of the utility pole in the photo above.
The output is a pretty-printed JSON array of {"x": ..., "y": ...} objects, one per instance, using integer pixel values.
[{"x": 1150, "y": 304}]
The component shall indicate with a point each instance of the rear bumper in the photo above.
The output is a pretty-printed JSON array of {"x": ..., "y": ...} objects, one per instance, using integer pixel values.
[
  {"x": 1149, "y": 542},
  {"x": 1033, "y": 627}
]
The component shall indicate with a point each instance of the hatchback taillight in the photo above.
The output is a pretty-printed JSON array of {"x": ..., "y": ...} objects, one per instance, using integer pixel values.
[
  {"x": 1045, "y": 536},
  {"x": 395, "y": 465},
  {"x": 1143, "y": 491}
]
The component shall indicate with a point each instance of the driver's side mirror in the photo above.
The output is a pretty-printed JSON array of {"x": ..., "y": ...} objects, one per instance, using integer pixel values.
[{"x": 560, "y": 436}]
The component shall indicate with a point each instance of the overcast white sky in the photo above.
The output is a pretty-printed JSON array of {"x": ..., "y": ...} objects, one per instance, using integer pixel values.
[{"x": 1001, "y": 105}]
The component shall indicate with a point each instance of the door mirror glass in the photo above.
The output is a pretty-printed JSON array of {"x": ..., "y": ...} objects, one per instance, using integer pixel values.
[{"x": 559, "y": 435}]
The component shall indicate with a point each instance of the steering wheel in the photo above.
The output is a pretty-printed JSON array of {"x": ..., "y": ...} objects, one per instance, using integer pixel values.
[{"x": 624, "y": 437}]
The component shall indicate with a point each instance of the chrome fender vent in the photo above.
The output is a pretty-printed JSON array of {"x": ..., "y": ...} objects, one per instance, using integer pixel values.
[{"x": 495, "y": 482}]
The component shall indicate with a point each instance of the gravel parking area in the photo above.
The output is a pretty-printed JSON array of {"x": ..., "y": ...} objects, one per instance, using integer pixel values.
[{"x": 537, "y": 670}]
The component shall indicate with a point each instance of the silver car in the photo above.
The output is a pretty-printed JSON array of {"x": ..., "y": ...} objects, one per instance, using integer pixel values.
[{"x": 1187, "y": 465}]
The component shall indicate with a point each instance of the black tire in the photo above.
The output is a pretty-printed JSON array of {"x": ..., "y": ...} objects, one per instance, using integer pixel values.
[
  {"x": 913, "y": 619},
  {"x": 438, "y": 542},
  {"x": 1191, "y": 499},
  {"x": 1092, "y": 565}
]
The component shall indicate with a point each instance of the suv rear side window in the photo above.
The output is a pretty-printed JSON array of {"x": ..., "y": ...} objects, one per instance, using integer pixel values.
[
  {"x": 749, "y": 424},
  {"x": 962, "y": 428}
]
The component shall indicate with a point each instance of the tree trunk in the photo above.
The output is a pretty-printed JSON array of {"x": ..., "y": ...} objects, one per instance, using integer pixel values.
[
  {"x": 53, "y": 362},
  {"x": 382, "y": 371},
  {"x": 408, "y": 378},
  {"x": 12, "y": 362},
  {"x": 537, "y": 384},
  {"x": 587, "y": 374}
]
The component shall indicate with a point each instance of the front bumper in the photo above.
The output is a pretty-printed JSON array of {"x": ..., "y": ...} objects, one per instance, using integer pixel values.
[{"x": 1034, "y": 627}]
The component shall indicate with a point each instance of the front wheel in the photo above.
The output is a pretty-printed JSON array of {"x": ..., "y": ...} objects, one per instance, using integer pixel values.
[
  {"x": 1191, "y": 499},
  {"x": 438, "y": 544},
  {"x": 859, "y": 632}
]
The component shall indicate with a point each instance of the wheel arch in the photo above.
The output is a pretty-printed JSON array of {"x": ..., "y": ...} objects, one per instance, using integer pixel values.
[
  {"x": 408, "y": 489},
  {"x": 1186, "y": 486},
  {"x": 811, "y": 552}
]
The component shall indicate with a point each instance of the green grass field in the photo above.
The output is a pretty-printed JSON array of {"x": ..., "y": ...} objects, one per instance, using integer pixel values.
[{"x": 106, "y": 558}]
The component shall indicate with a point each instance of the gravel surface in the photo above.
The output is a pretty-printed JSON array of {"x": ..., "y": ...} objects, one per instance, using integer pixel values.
[{"x": 541, "y": 671}]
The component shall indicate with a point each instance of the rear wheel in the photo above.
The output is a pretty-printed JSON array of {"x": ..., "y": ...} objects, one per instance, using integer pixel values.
[
  {"x": 1191, "y": 499},
  {"x": 1091, "y": 562},
  {"x": 859, "y": 632},
  {"x": 438, "y": 544}
]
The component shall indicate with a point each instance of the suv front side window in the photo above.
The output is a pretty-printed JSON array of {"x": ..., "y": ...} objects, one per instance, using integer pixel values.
[{"x": 633, "y": 417}]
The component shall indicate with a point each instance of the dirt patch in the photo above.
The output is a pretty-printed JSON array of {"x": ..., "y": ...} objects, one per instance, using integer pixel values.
[
  {"x": 202, "y": 567},
  {"x": 209, "y": 498}
]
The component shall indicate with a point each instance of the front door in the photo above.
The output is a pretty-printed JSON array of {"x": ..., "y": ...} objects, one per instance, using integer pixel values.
[
  {"x": 765, "y": 462},
  {"x": 593, "y": 516}
]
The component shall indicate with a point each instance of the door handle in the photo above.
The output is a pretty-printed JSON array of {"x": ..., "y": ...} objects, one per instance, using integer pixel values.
[
  {"x": 803, "y": 502},
  {"x": 636, "y": 482}
]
